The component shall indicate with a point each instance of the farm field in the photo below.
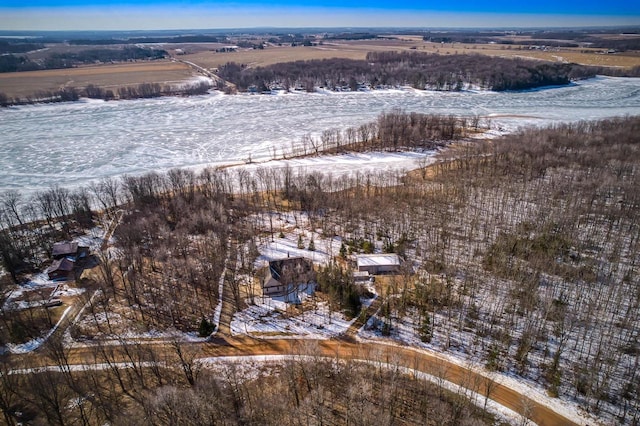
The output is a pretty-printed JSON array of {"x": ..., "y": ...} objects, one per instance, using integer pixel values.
[
  {"x": 108, "y": 76},
  {"x": 273, "y": 54}
]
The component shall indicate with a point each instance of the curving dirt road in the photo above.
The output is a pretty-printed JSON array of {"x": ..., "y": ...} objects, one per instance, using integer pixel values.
[
  {"x": 348, "y": 349},
  {"x": 401, "y": 356}
]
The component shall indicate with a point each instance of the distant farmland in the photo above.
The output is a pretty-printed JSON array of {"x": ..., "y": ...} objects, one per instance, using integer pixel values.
[
  {"x": 23, "y": 84},
  {"x": 209, "y": 56},
  {"x": 358, "y": 50}
]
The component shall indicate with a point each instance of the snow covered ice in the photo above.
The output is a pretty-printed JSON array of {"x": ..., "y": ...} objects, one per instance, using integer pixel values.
[{"x": 75, "y": 143}]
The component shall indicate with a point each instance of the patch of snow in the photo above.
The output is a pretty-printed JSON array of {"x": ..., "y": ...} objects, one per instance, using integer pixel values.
[
  {"x": 66, "y": 291},
  {"x": 92, "y": 238},
  {"x": 267, "y": 319},
  {"x": 348, "y": 164},
  {"x": 270, "y": 317}
]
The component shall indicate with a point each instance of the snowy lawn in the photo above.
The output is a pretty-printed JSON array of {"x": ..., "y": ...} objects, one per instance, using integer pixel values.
[
  {"x": 268, "y": 319},
  {"x": 276, "y": 317}
]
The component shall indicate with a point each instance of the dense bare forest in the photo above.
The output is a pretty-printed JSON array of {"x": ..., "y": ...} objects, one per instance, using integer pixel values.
[
  {"x": 528, "y": 251},
  {"x": 524, "y": 253},
  {"x": 420, "y": 70}
]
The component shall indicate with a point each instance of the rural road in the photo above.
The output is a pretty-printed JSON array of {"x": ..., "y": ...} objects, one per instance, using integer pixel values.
[
  {"x": 205, "y": 72},
  {"x": 349, "y": 349}
]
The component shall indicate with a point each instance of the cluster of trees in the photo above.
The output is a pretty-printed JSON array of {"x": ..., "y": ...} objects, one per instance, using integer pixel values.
[
  {"x": 422, "y": 71},
  {"x": 89, "y": 56},
  {"x": 337, "y": 282},
  {"x": 352, "y": 36},
  {"x": 415, "y": 130},
  {"x": 454, "y": 72},
  {"x": 12, "y": 63},
  {"x": 462, "y": 36},
  {"x": 293, "y": 39},
  {"x": 391, "y": 131},
  {"x": 65, "y": 94},
  {"x": 168, "y": 385},
  {"x": 173, "y": 246}
]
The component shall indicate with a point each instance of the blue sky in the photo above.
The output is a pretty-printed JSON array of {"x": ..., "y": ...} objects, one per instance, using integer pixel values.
[{"x": 153, "y": 14}]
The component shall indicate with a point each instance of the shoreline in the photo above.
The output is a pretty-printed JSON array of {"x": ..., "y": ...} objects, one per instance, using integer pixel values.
[{"x": 177, "y": 92}]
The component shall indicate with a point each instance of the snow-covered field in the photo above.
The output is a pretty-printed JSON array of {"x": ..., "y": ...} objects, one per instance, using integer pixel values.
[{"x": 76, "y": 143}]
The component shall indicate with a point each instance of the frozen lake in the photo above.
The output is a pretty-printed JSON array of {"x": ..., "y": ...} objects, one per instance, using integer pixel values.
[{"x": 74, "y": 143}]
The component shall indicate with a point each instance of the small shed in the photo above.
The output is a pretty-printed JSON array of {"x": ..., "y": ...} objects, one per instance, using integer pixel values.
[
  {"x": 61, "y": 269},
  {"x": 282, "y": 274},
  {"x": 386, "y": 263}
]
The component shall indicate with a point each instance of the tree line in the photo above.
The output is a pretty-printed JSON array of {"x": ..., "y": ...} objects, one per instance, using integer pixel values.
[
  {"x": 391, "y": 131},
  {"x": 142, "y": 90},
  {"x": 15, "y": 46},
  {"x": 13, "y": 63}
]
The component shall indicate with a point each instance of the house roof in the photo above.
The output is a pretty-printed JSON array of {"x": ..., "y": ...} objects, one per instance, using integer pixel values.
[
  {"x": 277, "y": 266},
  {"x": 290, "y": 267},
  {"x": 64, "y": 248},
  {"x": 385, "y": 259},
  {"x": 65, "y": 265}
]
